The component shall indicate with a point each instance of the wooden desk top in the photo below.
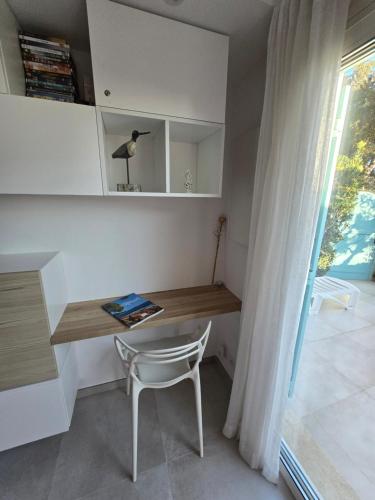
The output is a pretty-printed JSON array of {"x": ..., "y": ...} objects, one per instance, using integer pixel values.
[{"x": 86, "y": 320}]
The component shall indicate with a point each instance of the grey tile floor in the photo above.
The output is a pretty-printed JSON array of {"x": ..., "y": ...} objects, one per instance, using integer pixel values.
[
  {"x": 93, "y": 460},
  {"x": 334, "y": 400}
]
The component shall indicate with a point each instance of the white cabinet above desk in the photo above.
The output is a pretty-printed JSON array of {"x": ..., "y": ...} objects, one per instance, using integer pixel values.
[
  {"x": 52, "y": 148},
  {"x": 144, "y": 62},
  {"x": 48, "y": 147},
  {"x": 150, "y": 74}
]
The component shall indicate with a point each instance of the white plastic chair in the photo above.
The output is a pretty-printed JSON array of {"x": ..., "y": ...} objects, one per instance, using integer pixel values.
[
  {"x": 334, "y": 289},
  {"x": 156, "y": 368}
]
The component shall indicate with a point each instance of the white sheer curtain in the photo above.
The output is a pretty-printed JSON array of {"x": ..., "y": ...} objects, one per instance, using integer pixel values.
[{"x": 304, "y": 51}]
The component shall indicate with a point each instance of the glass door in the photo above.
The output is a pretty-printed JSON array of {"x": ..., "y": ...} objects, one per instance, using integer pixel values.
[
  {"x": 341, "y": 108},
  {"x": 328, "y": 433}
]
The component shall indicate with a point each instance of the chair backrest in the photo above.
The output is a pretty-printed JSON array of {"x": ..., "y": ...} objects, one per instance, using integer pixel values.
[{"x": 132, "y": 357}]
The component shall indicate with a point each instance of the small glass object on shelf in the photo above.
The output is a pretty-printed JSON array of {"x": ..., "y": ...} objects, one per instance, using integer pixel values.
[{"x": 188, "y": 184}]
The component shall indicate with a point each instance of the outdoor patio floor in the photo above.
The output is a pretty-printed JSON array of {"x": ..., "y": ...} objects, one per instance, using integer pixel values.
[{"x": 330, "y": 421}]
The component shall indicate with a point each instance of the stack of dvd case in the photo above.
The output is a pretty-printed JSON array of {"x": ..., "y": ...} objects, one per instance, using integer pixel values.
[{"x": 48, "y": 67}]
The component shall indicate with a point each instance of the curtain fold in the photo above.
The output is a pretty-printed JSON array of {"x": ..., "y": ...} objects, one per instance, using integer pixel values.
[{"x": 304, "y": 52}]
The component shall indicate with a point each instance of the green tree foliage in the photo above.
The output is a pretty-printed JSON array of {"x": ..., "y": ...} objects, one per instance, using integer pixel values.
[
  {"x": 347, "y": 183},
  {"x": 362, "y": 114},
  {"x": 355, "y": 169}
]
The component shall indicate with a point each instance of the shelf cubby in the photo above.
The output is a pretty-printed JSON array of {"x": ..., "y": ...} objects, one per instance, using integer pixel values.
[
  {"x": 147, "y": 167},
  {"x": 197, "y": 148}
]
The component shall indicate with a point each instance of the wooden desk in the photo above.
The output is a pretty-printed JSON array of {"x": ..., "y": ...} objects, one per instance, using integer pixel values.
[{"x": 87, "y": 320}]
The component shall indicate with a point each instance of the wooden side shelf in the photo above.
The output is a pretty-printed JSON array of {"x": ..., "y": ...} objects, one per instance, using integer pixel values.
[{"x": 86, "y": 320}]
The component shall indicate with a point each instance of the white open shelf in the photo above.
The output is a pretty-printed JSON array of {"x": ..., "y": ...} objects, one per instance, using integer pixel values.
[
  {"x": 163, "y": 157},
  {"x": 197, "y": 148},
  {"x": 147, "y": 167}
]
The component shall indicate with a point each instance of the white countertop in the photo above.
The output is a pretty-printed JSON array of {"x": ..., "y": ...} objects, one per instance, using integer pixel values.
[{"x": 22, "y": 262}]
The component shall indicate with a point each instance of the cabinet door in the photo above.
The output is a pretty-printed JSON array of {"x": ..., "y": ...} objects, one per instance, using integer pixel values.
[
  {"x": 48, "y": 147},
  {"x": 145, "y": 62}
]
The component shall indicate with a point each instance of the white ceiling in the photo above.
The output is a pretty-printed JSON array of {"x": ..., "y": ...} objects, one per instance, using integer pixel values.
[{"x": 246, "y": 21}]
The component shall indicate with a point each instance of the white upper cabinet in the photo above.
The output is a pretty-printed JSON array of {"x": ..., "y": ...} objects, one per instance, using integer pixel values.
[
  {"x": 144, "y": 62},
  {"x": 48, "y": 147}
]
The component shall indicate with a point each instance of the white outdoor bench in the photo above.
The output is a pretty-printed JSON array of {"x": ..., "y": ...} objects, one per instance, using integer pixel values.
[{"x": 333, "y": 289}]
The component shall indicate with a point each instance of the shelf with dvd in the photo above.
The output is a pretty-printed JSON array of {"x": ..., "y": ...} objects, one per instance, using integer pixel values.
[{"x": 49, "y": 69}]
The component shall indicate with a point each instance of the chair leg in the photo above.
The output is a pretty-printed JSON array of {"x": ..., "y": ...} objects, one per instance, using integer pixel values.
[
  {"x": 135, "y": 396},
  {"x": 198, "y": 402}
]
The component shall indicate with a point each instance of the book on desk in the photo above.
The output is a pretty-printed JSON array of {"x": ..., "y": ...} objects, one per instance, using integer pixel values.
[{"x": 132, "y": 309}]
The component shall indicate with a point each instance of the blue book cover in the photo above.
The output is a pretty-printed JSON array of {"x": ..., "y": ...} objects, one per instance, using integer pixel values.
[{"x": 132, "y": 309}]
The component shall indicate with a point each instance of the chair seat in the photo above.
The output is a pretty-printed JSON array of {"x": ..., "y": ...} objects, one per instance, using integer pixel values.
[
  {"x": 149, "y": 373},
  {"x": 164, "y": 343}
]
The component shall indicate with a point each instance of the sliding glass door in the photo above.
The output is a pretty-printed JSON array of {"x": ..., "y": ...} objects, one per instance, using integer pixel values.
[
  {"x": 340, "y": 114},
  {"x": 325, "y": 446}
]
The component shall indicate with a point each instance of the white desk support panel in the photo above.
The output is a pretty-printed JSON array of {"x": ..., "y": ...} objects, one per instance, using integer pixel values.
[{"x": 38, "y": 382}]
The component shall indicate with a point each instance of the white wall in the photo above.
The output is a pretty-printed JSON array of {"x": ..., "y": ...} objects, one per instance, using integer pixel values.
[
  {"x": 12, "y": 79},
  {"x": 115, "y": 246},
  {"x": 244, "y": 110}
]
